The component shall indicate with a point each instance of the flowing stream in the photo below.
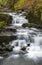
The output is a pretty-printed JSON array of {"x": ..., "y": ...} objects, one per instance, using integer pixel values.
[{"x": 25, "y": 36}]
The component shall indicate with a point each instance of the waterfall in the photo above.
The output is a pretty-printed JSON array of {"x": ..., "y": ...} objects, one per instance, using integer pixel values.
[
  {"x": 38, "y": 40},
  {"x": 26, "y": 36},
  {"x": 18, "y": 19}
]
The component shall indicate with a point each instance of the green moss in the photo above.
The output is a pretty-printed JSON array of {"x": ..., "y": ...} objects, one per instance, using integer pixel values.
[
  {"x": 4, "y": 20},
  {"x": 20, "y": 4},
  {"x": 3, "y": 2},
  {"x": 27, "y": 25},
  {"x": 2, "y": 24},
  {"x": 4, "y": 17}
]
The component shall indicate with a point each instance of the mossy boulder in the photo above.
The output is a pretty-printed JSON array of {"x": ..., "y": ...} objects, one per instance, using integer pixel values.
[
  {"x": 5, "y": 19},
  {"x": 27, "y": 25}
]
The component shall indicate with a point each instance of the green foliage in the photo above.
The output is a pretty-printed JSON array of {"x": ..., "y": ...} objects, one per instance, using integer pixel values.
[
  {"x": 19, "y": 4},
  {"x": 10, "y": 4},
  {"x": 4, "y": 2},
  {"x": 35, "y": 17}
]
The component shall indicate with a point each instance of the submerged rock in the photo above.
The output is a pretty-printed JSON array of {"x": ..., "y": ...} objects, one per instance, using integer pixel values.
[
  {"x": 28, "y": 44},
  {"x": 23, "y": 49}
]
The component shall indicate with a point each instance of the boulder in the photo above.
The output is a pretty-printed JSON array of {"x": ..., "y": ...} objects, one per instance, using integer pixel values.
[{"x": 5, "y": 19}]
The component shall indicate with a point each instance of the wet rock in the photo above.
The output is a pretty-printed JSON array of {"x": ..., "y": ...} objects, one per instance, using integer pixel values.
[
  {"x": 23, "y": 49},
  {"x": 28, "y": 44},
  {"x": 10, "y": 28},
  {"x": 9, "y": 48},
  {"x": 13, "y": 30},
  {"x": 3, "y": 44},
  {"x": 27, "y": 25},
  {"x": 5, "y": 49},
  {"x": 7, "y": 39}
]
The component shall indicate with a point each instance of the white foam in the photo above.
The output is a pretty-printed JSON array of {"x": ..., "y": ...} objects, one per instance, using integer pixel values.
[
  {"x": 34, "y": 52},
  {"x": 1, "y": 57}
]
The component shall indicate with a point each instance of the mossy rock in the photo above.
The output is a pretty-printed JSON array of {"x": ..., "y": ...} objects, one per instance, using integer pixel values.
[
  {"x": 2, "y": 24},
  {"x": 27, "y": 25},
  {"x": 5, "y": 19}
]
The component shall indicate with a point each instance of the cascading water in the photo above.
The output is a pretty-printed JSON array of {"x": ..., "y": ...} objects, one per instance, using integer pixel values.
[
  {"x": 18, "y": 19},
  {"x": 25, "y": 36}
]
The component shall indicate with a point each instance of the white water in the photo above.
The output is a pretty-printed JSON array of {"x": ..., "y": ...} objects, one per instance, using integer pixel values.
[
  {"x": 26, "y": 36},
  {"x": 18, "y": 19}
]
